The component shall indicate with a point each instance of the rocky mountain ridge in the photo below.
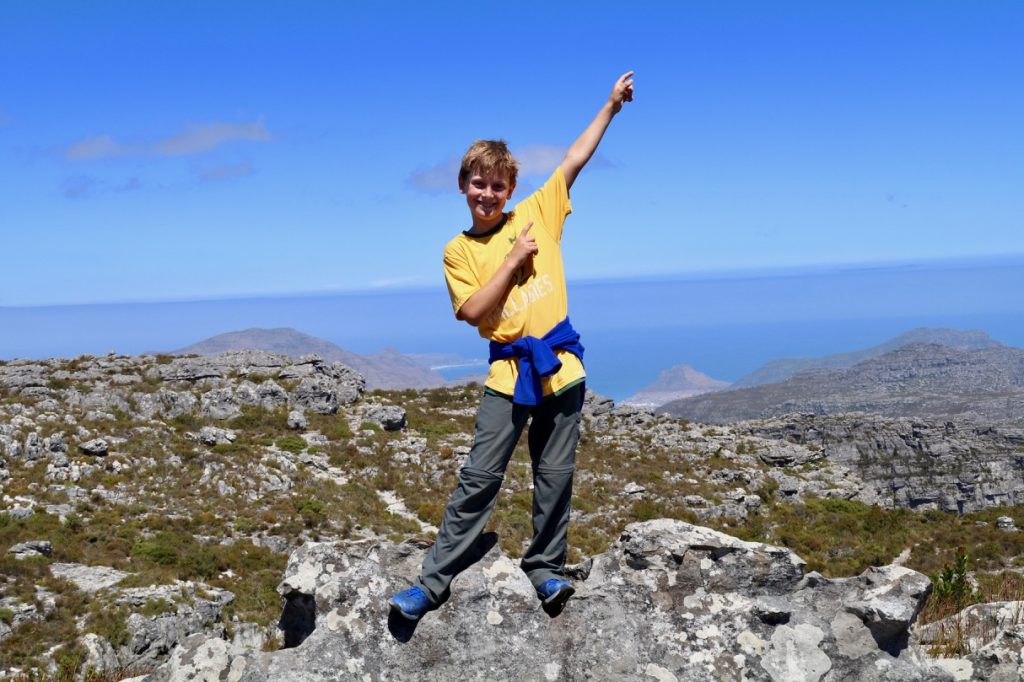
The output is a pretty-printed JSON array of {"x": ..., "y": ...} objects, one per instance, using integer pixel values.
[
  {"x": 785, "y": 368},
  {"x": 985, "y": 385}
]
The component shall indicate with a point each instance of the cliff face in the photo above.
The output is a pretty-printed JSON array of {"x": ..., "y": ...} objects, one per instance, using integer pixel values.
[
  {"x": 918, "y": 380},
  {"x": 913, "y": 463}
]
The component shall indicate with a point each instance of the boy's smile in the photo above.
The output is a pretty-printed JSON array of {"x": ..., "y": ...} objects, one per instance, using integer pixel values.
[{"x": 486, "y": 193}]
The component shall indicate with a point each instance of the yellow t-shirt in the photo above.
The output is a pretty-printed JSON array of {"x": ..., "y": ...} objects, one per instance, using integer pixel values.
[{"x": 536, "y": 301}]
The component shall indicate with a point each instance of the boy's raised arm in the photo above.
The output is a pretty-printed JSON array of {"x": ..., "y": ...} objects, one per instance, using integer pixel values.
[{"x": 583, "y": 148}]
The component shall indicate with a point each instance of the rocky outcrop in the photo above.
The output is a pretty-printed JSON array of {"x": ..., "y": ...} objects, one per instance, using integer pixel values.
[
  {"x": 669, "y": 601},
  {"x": 913, "y": 463},
  {"x": 989, "y": 639}
]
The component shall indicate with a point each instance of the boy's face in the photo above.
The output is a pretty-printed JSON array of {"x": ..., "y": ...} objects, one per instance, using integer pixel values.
[{"x": 486, "y": 193}]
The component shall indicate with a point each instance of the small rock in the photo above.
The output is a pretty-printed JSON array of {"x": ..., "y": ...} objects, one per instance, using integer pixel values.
[
  {"x": 96, "y": 446},
  {"x": 388, "y": 417},
  {"x": 1006, "y": 523},
  {"x": 21, "y": 513},
  {"x": 31, "y": 548},
  {"x": 634, "y": 489},
  {"x": 297, "y": 420},
  {"x": 212, "y": 435}
]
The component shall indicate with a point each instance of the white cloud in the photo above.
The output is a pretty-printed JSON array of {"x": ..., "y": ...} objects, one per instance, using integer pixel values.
[
  {"x": 442, "y": 177},
  {"x": 539, "y": 159},
  {"x": 194, "y": 140},
  {"x": 199, "y": 139}
]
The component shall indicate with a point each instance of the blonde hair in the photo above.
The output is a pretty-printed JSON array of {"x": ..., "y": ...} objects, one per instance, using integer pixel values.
[{"x": 484, "y": 156}]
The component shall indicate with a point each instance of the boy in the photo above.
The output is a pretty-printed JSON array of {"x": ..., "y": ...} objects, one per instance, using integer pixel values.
[{"x": 505, "y": 277}]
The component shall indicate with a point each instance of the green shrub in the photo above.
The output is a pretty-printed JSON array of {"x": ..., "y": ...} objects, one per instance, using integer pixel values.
[{"x": 291, "y": 444}]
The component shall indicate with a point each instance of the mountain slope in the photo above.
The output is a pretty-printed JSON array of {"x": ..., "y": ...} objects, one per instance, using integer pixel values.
[
  {"x": 917, "y": 380},
  {"x": 785, "y": 368}
]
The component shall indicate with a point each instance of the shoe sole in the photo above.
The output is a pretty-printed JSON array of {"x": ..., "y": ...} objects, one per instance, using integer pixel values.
[
  {"x": 396, "y": 609},
  {"x": 560, "y": 597}
]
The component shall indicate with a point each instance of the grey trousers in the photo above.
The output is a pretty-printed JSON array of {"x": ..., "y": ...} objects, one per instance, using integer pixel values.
[{"x": 553, "y": 435}]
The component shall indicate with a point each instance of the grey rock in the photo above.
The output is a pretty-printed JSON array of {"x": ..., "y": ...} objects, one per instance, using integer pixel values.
[
  {"x": 164, "y": 402},
  {"x": 89, "y": 579},
  {"x": 594, "y": 404},
  {"x": 991, "y": 636},
  {"x": 297, "y": 420},
  {"x": 914, "y": 463},
  {"x": 271, "y": 396},
  {"x": 99, "y": 654},
  {"x": 1006, "y": 523},
  {"x": 97, "y": 447},
  {"x": 29, "y": 548},
  {"x": 668, "y": 601},
  {"x": 212, "y": 435},
  {"x": 219, "y": 403},
  {"x": 318, "y": 394},
  {"x": 33, "y": 448},
  {"x": 388, "y": 417},
  {"x": 20, "y": 513}
]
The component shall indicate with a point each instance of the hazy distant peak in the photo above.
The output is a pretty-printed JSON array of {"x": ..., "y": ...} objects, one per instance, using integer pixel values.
[
  {"x": 684, "y": 378},
  {"x": 675, "y": 383}
]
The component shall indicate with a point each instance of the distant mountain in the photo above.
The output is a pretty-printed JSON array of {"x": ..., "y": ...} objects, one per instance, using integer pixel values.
[
  {"x": 675, "y": 383},
  {"x": 780, "y": 370},
  {"x": 917, "y": 380},
  {"x": 388, "y": 369}
]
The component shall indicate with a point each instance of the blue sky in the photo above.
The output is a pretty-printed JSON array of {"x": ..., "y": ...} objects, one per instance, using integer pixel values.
[{"x": 187, "y": 150}]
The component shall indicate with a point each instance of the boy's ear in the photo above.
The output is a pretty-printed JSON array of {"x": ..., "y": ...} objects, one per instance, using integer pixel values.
[
  {"x": 462, "y": 188},
  {"x": 511, "y": 188}
]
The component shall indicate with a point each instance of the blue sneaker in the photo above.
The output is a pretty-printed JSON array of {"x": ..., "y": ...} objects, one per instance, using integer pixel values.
[
  {"x": 411, "y": 604},
  {"x": 555, "y": 592}
]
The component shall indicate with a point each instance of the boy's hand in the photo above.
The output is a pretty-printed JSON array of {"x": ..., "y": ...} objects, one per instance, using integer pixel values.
[
  {"x": 622, "y": 92},
  {"x": 524, "y": 248}
]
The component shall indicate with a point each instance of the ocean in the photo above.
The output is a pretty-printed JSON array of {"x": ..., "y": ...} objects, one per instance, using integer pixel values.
[{"x": 723, "y": 324}]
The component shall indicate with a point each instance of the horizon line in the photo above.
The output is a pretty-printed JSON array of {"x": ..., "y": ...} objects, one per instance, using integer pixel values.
[{"x": 742, "y": 273}]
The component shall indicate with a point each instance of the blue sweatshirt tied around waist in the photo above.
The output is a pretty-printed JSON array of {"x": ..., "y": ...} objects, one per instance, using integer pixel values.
[{"x": 537, "y": 359}]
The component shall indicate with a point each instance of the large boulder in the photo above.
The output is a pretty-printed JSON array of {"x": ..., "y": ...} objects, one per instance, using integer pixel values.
[{"x": 668, "y": 601}]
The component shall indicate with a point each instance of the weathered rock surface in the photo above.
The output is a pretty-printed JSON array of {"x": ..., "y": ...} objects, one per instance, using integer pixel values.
[
  {"x": 23, "y": 550},
  {"x": 388, "y": 417},
  {"x": 914, "y": 463},
  {"x": 89, "y": 579},
  {"x": 990, "y": 637},
  {"x": 669, "y": 601}
]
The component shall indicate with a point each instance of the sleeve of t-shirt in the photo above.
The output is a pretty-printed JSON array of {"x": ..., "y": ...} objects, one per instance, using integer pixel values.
[
  {"x": 461, "y": 280},
  {"x": 551, "y": 203}
]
